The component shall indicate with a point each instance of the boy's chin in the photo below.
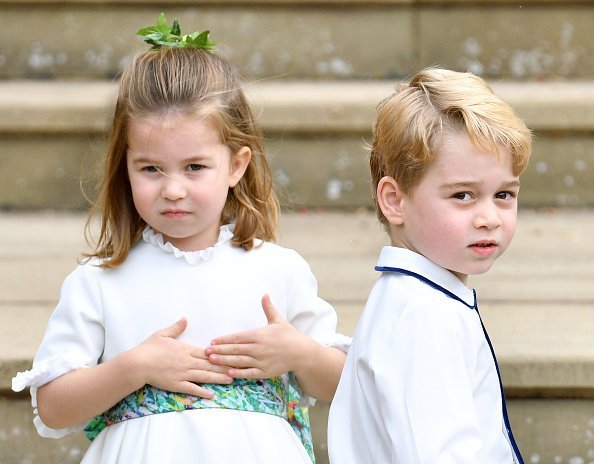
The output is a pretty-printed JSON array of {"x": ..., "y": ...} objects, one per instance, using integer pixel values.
[{"x": 464, "y": 273}]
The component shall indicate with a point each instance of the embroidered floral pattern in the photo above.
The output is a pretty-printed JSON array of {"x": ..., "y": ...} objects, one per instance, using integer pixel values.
[{"x": 274, "y": 396}]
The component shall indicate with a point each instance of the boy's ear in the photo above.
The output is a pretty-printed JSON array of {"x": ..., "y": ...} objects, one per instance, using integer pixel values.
[
  {"x": 390, "y": 200},
  {"x": 239, "y": 164}
]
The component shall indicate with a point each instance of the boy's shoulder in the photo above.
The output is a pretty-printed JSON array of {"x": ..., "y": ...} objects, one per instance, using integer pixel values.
[
  {"x": 428, "y": 278},
  {"x": 413, "y": 286},
  {"x": 406, "y": 298}
]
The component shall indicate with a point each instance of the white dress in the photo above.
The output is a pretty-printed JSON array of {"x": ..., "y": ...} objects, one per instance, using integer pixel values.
[
  {"x": 102, "y": 313},
  {"x": 420, "y": 384}
]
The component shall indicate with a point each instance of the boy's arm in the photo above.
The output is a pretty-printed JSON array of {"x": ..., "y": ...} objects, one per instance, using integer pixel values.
[{"x": 276, "y": 349}]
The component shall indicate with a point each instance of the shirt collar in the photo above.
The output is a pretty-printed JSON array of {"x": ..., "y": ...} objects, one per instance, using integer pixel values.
[{"x": 394, "y": 259}]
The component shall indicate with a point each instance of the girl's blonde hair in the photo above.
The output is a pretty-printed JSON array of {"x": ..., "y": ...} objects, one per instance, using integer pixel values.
[
  {"x": 411, "y": 123},
  {"x": 185, "y": 81}
]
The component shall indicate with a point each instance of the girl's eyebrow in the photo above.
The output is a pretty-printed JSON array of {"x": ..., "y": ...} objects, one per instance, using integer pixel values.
[{"x": 143, "y": 159}]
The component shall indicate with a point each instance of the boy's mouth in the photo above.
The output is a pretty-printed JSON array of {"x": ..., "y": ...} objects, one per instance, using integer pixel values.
[{"x": 484, "y": 248}]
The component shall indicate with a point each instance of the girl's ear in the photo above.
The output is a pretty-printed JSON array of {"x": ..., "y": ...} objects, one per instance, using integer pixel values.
[
  {"x": 390, "y": 200},
  {"x": 239, "y": 164}
]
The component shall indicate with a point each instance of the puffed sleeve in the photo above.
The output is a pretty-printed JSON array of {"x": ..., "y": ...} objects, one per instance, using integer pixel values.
[
  {"x": 424, "y": 385},
  {"x": 74, "y": 338},
  {"x": 308, "y": 312}
]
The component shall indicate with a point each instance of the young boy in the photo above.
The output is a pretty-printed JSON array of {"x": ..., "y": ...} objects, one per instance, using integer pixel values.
[{"x": 421, "y": 383}]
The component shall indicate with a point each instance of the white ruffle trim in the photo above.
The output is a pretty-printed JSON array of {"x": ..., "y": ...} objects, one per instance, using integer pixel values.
[
  {"x": 341, "y": 342},
  {"x": 45, "y": 371},
  {"x": 192, "y": 257},
  {"x": 42, "y": 373}
]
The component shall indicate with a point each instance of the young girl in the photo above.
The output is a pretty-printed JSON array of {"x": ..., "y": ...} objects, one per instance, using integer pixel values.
[{"x": 183, "y": 257}]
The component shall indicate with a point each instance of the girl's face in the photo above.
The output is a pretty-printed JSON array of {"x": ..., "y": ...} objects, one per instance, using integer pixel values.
[
  {"x": 462, "y": 214},
  {"x": 180, "y": 174}
]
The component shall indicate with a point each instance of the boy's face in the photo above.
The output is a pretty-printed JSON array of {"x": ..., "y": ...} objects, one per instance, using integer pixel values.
[{"x": 462, "y": 214}]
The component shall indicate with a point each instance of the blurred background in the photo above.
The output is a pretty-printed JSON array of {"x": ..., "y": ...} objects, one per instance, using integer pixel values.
[{"x": 315, "y": 70}]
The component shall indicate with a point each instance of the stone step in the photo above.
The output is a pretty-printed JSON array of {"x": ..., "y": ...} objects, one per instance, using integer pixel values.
[
  {"x": 322, "y": 39},
  {"x": 537, "y": 303},
  {"x": 52, "y": 134}
]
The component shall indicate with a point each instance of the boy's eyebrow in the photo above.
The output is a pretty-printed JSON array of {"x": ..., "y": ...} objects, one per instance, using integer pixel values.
[{"x": 466, "y": 184}]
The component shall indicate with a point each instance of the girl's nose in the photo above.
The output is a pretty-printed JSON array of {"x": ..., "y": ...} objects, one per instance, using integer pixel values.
[
  {"x": 487, "y": 216},
  {"x": 173, "y": 188}
]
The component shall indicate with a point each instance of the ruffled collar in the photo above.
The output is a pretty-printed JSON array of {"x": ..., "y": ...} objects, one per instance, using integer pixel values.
[{"x": 192, "y": 257}]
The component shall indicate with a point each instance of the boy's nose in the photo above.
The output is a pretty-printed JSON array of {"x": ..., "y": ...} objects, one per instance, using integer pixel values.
[{"x": 487, "y": 216}]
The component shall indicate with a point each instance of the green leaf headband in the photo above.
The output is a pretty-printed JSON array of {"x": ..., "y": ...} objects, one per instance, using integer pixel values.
[{"x": 162, "y": 35}]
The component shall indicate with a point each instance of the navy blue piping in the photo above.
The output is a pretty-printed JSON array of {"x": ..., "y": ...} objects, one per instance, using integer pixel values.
[
  {"x": 428, "y": 282},
  {"x": 452, "y": 295},
  {"x": 510, "y": 434}
]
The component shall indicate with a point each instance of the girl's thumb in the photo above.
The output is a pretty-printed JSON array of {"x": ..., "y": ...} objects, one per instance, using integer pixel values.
[
  {"x": 176, "y": 329},
  {"x": 270, "y": 311}
]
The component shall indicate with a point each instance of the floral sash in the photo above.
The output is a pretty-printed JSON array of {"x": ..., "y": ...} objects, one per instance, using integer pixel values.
[{"x": 274, "y": 396}]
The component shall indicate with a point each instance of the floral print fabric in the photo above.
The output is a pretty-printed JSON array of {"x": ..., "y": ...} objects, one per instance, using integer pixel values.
[{"x": 276, "y": 396}]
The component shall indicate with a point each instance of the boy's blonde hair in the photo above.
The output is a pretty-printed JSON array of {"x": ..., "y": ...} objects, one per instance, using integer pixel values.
[
  {"x": 187, "y": 81},
  {"x": 411, "y": 123}
]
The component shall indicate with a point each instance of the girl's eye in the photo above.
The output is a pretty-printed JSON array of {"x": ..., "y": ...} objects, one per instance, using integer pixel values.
[
  {"x": 464, "y": 196},
  {"x": 150, "y": 169},
  {"x": 505, "y": 195},
  {"x": 194, "y": 167}
]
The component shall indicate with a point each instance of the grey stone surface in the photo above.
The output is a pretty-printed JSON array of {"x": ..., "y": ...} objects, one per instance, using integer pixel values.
[
  {"x": 53, "y": 134},
  {"x": 548, "y": 431},
  {"x": 285, "y": 106},
  {"x": 314, "y": 39},
  {"x": 518, "y": 40},
  {"x": 48, "y": 170},
  {"x": 88, "y": 40},
  {"x": 537, "y": 302}
]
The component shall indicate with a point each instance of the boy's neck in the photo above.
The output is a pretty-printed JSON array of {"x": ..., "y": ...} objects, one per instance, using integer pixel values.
[{"x": 462, "y": 277}]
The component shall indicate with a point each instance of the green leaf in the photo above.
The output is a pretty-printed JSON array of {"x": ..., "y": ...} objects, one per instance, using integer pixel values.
[
  {"x": 162, "y": 22},
  {"x": 162, "y": 35},
  {"x": 175, "y": 29}
]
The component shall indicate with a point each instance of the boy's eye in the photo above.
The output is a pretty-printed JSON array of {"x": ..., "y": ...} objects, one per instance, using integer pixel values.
[
  {"x": 464, "y": 196},
  {"x": 505, "y": 195},
  {"x": 194, "y": 167}
]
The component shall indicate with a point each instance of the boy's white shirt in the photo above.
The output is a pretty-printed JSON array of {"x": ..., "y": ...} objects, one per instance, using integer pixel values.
[{"x": 419, "y": 384}]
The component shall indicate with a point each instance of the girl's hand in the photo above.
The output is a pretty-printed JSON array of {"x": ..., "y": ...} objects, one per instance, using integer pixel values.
[
  {"x": 171, "y": 365},
  {"x": 261, "y": 353}
]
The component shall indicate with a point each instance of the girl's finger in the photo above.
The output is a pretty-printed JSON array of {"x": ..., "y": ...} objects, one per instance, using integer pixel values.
[
  {"x": 241, "y": 349},
  {"x": 270, "y": 311},
  {"x": 190, "y": 388},
  {"x": 198, "y": 353},
  {"x": 235, "y": 338},
  {"x": 232, "y": 360},
  {"x": 207, "y": 366},
  {"x": 200, "y": 377},
  {"x": 175, "y": 329},
  {"x": 249, "y": 373}
]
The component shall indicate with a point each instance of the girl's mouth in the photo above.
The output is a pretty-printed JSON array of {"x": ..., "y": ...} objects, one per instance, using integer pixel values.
[{"x": 175, "y": 214}]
